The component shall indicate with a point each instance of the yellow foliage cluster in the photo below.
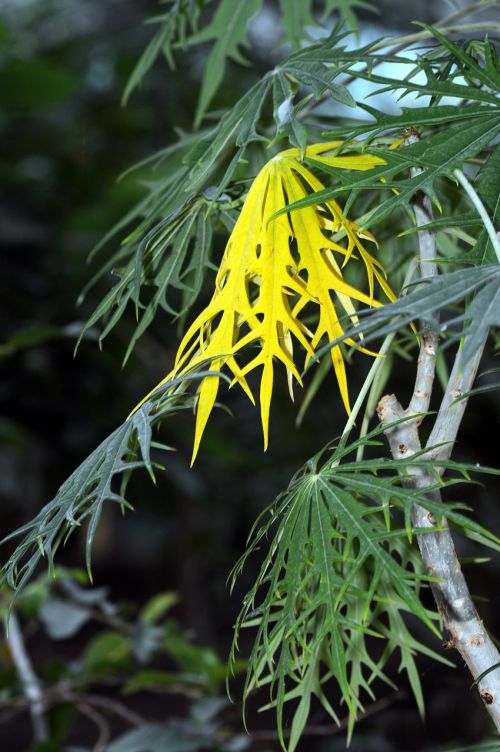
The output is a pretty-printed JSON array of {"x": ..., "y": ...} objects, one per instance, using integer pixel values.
[{"x": 272, "y": 269}]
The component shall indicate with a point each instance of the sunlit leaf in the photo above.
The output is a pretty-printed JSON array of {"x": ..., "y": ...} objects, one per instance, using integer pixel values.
[{"x": 271, "y": 271}]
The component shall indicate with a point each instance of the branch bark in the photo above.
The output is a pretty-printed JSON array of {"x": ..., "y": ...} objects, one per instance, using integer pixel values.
[{"x": 460, "y": 617}]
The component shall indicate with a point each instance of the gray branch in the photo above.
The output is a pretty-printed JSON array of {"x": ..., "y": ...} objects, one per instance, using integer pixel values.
[
  {"x": 465, "y": 629},
  {"x": 453, "y": 404},
  {"x": 30, "y": 682}
]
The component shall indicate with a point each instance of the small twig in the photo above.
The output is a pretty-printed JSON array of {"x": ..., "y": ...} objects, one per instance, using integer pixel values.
[
  {"x": 488, "y": 224},
  {"x": 115, "y": 707},
  {"x": 101, "y": 723},
  {"x": 422, "y": 35},
  {"x": 32, "y": 687},
  {"x": 367, "y": 383}
]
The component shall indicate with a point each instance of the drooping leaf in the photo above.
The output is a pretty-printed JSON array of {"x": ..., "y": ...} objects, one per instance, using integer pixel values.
[
  {"x": 176, "y": 25},
  {"x": 81, "y": 497},
  {"x": 228, "y": 28},
  {"x": 262, "y": 288},
  {"x": 316, "y": 598},
  {"x": 340, "y": 566}
]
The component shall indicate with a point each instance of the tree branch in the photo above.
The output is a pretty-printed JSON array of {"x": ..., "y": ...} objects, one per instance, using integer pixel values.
[
  {"x": 461, "y": 620},
  {"x": 31, "y": 685},
  {"x": 453, "y": 404}
]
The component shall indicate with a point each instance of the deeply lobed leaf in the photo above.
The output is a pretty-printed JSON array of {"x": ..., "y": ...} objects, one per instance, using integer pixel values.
[
  {"x": 340, "y": 566},
  {"x": 271, "y": 271},
  {"x": 81, "y": 497}
]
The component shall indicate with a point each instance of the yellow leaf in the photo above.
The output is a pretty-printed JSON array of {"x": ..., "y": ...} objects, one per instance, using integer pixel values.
[{"x": 271, "y": 271}]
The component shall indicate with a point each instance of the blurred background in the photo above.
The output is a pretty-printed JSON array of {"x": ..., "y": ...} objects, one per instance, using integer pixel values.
[{"x": 64, "y": 140}]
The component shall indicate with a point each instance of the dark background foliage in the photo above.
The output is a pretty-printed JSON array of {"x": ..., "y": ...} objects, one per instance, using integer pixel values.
[{"x": 64, "y": 139}]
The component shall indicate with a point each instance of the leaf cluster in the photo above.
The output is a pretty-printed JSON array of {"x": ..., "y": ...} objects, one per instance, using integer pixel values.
[
  {"x": 171, "y": 246},
  {"x": 227, "y": 29},
  {"x": 340, "y": 575},
  {"x": 125, "y": 652},
  {"x": 179, "y": 216},
  {"x": 433, "y": 296},
  {"x": 81, "y": 497}
]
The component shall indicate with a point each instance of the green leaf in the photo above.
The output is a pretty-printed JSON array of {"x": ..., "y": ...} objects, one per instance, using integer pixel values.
[
  {"x": 228, "y": 28},
  {"x": 173, "y": 256},
  {"x": 467, "y": 219},
  {"x": 284, "y": 113},
  {"x": 320, "y": 79},
  {"x": 158, "y": 606},
  {"x": 410, "y": 117},
  {"x": 330, "y": 576},
  {"x": 487, "y": 76},
  {"x": 432, "y": 296},
  {"x": 236, "y": 128},
  {"x": 81, "y": 497},
  {"x": 347, "y": 10},
  {"x": 154, "y": 680},
  {"x": 488, "y": 188},
  {"x": 296, "y": 15},
  {"x": 184, "y": 15},
  {"x": 439, "y": 155},
  {"x": 107, "y": 652},
  {"x": 482, "y": 314},
  {"x": 341, "y": 565},
  {"x": 432, "y": 87}
]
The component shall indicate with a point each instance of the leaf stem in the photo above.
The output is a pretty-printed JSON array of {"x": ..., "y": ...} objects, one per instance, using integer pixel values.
[
  {"x": 376, "y": 365},
  {"x": 367, "y": 384},
  {"x": 402, "y": 42},
  {"x": 474, "y": 197}
]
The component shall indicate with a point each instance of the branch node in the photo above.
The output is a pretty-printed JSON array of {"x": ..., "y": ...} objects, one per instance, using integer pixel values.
[
  {"x": 487, "y": 697},
  {"x": 477, "y": 640}
]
